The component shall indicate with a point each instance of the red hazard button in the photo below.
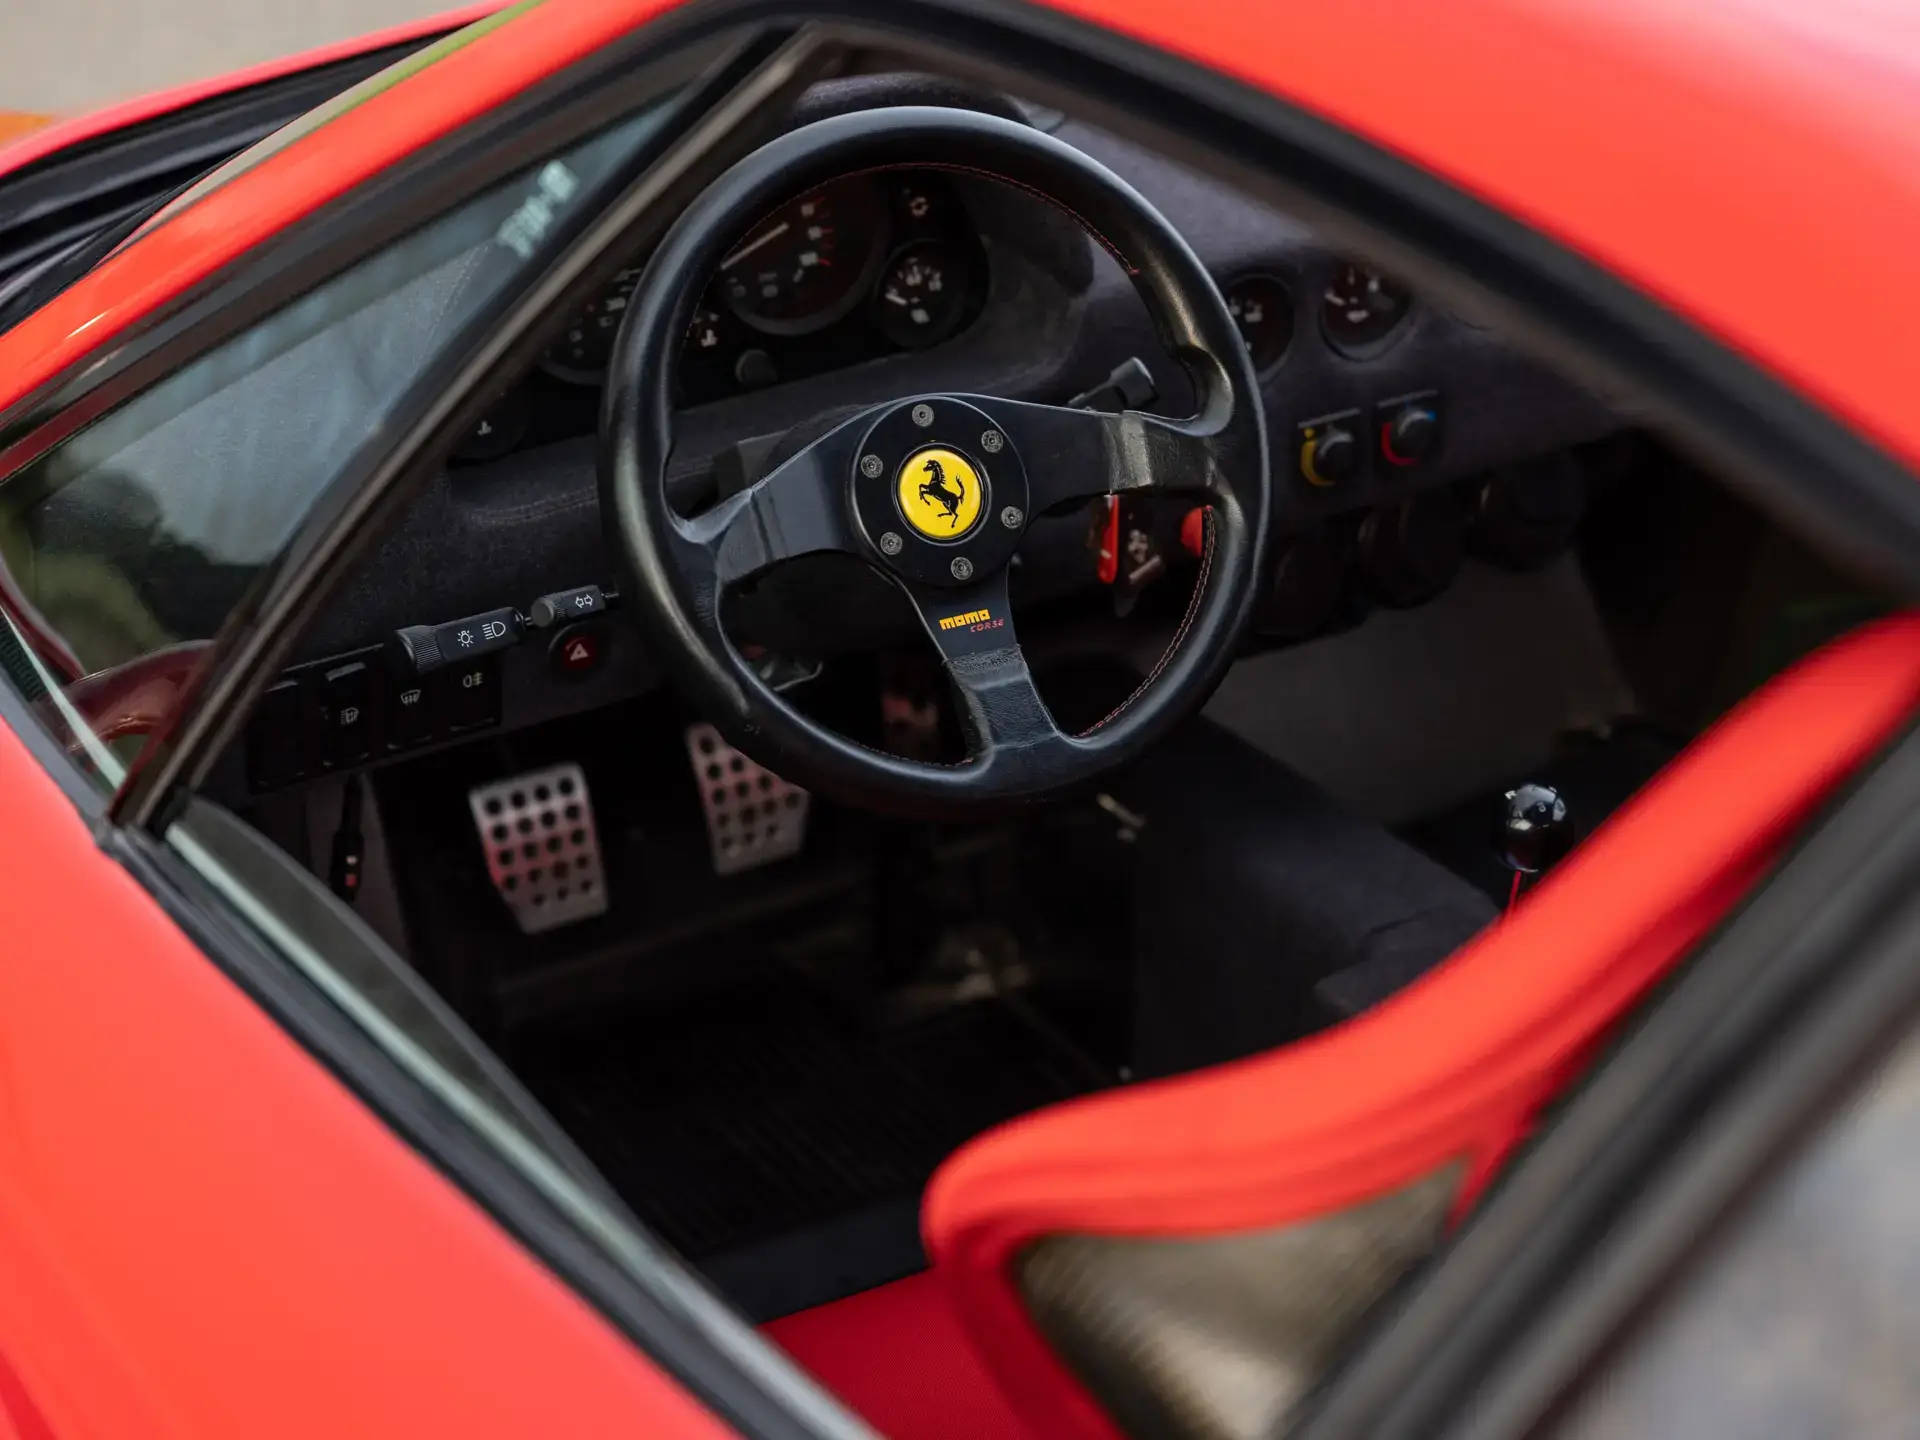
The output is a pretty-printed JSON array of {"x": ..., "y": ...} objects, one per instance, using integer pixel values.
[{"x": 576, "y": 651}]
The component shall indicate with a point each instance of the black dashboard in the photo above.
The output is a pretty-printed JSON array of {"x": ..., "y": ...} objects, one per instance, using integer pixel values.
[{"x": 1400, "y": 432}]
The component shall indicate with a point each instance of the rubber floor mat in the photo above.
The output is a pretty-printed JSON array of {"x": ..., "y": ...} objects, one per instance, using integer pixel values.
[{"x": 765, "y": 1111}]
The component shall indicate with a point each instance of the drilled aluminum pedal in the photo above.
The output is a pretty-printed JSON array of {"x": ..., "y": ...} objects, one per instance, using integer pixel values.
[
  {"x": 753, "y": 816},
  {"x": 543, "y": 851}
]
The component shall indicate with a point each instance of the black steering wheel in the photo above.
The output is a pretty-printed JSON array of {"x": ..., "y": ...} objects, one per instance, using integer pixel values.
[{"x": 935, "y": 491}]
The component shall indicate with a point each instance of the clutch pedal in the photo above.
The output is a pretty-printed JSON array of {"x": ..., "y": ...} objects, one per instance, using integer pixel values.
[
  {"x": 543, "y": 851},
  {"x": 753, "y": 816}
]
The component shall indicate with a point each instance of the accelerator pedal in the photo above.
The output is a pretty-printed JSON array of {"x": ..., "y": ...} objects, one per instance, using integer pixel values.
[
  {"x": 753, "y": 816},
  {"x": 542, "y": 848}
]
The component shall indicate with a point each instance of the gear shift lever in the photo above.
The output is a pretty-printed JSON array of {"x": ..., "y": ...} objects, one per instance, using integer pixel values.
[{"x": 1535, "y": 833}]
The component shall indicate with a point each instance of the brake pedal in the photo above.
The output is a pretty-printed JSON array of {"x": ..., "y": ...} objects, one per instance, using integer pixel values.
[
  {"x": 543, "y": 850},
  {"x": 753, "y": 816}
]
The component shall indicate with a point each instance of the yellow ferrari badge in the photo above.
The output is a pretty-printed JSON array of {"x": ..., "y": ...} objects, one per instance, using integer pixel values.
[{"x": 939, "y": 493}]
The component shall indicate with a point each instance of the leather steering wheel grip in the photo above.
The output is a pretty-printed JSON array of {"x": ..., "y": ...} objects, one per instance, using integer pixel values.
[{"x": 678, "y": 567}]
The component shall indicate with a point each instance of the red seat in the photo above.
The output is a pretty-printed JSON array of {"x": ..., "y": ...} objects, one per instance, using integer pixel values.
[
  {"x": 898, "y": 1356},
  {"x": 1450, "y": 1072}
]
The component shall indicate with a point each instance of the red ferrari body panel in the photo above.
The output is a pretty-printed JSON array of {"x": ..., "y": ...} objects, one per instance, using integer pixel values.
[
  {"x": 193, "y": 1213},
  {"x": 202, "y": 1233}
]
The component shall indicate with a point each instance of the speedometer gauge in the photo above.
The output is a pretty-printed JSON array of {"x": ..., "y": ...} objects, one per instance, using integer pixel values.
[
  {"x": 808, "y": 263},
  {"x": 586, "y": 346}
]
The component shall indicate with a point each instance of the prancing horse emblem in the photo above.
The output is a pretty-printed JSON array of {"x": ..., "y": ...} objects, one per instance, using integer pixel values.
[
  {"x": 936, "y": 488},
  {"x": 939, "y": 493}
]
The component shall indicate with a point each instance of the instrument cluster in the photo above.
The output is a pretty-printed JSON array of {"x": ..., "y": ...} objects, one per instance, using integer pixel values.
[{"x": 867, "y": 265}]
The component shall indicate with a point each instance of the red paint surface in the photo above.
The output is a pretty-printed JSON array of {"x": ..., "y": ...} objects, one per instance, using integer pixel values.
[
  {"x": 1452, "y": 1068},
  {"x": 203, "y": 1234}
]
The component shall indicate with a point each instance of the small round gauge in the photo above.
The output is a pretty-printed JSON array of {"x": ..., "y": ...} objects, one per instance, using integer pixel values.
[
  {"x": 1361, "y": 307},
  {"x": 921, "y": 295},
  {"x": 586, "y": 346},
  {"x": 808, "y": 263},
  {"x": 1263, "y": 309}
]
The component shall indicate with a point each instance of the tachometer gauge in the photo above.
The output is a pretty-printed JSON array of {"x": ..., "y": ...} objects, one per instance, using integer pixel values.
[
  {"x": 1361, "y": 307},
  {"x": 808, "y": 263},
  {"x": 921, "y": 295}
]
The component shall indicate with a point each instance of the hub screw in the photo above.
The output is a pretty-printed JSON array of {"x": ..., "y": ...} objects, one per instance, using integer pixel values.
[
  {"x": 923, "y": 415},
  {"x": 891, "y": 544},
  {"x": 871, "y": 466},
  {"x": 992, "y": 441},
  {"x": 962, "y": 568},
  {"x": 1011, "y": 517}
]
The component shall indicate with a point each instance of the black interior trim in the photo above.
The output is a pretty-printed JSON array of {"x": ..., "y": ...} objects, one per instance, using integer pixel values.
[{"x": 1687, "y": 1113}]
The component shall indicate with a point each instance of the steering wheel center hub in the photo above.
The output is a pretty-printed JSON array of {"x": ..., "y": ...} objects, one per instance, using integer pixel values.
[{"x": 934, "y": 490}]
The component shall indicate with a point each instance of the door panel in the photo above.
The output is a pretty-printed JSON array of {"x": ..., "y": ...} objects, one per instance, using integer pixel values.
[{"x": 203, "y": 1232}]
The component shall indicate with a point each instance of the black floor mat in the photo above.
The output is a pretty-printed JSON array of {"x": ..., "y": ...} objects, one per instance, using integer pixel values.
[{"x": 763, "y": 1113}]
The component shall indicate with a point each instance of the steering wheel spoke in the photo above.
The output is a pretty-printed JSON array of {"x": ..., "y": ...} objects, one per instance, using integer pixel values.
[
  {"x": 1000, "y": 709},
  {"x": 799, "y": 508},
  {"x": 1081, "y": 454}
]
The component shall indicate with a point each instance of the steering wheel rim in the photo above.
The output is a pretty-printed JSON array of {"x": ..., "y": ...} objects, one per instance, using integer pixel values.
[{"x": 830, "y": 497}]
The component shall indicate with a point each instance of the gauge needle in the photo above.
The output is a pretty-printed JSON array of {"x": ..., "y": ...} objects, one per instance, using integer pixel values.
[{"x": 754, "y": 244}]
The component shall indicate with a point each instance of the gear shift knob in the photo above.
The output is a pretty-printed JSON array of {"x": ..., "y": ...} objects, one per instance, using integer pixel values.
[{"x": 1535, "y": 829}]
